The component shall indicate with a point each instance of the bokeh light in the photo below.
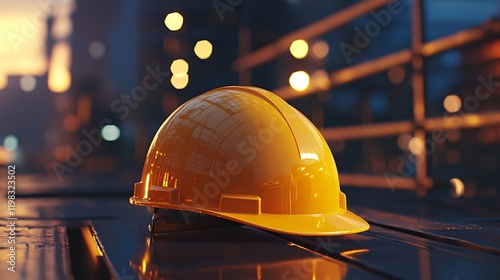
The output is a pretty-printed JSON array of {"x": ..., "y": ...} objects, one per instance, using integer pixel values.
[
  {"x": 396, "y": 74},
  {"x": 452, "y": 103},
  {"x": 320, "y": 49},
  {"x": 179, "y": 67},
  {"x": 110, "y": 132},
  {"x": 203, "y": 49},
  {"x": 10, "y": 142},
  {"x": 404, "y": 141},
  {"x": 4, "y": 80},
  {"x": 299, "y": 48},
  {"x": 27, "y": 83},
  {"x": 416, "y": 146},
  {"x": 71, "y": 123},
  {"x": 299, "y": 80},
  {"x": 174, "y": 21},
  {"x": 180, "y": 82},
  {"x": 97, "y": 49}
]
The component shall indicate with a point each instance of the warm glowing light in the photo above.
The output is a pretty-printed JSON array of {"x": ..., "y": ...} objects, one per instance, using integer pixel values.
[
  {"x": 404, "y": 141},
  {"x": 458, "y": 187},
  {"x": 416, "y": 146},
  {"x": 23, "y": 41},
  {"x": 180, "y": 82},
  {"x": 492, "y": 50},
  {"x": 174, "y": 21},
  {"x": 110, "y": 132},
  {"x": 179, "y": 67},
  {"x": 354, "y": 252},
  {"x": 299, "y": 80},
  {"x": 309, "y": 156},
  {"x": 203, "y": 49},
  {"x": 6, "y": 156},
  {"x": 97, "y": 49},
  {"x": 62, "y": 28},
  {"x": 452, "y": 103},
  {"x": 27, "y": 83},
  {"x": 10, "y": 142},
  {"x": 71, "y": 123},
  {"x": 4, "y": 81},
  {"x": 59, "y": 77},
  {"x": 320, "y": 49},
  {"x": 320, "y": 79},
  {"x": 299, "y": 49},
  {"x": 396, "y": 74}
]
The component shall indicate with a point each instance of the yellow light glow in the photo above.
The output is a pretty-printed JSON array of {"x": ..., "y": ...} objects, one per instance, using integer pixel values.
[
  {"x": 174, "y": 21},
  {"x": 452, "y": 103},
  {"x": 320, "y": 49},
  {"x": 59, "y": 76},
  {"x": 458, "y": 187},
  {"x": 6, "y": 156},
  {"x": 179, "y": 67},
  {"x": 416, "y": 146},
  {"x": 299, "y": 80},
  {"x": 62, "y": 28},
  {"x": 180, "y": 82},
  {"x": 203, "y": 49},
  {"x": 313, "y": 156},
  {"x": 4, "y": 81},
  {"x": 299, "y": 49},
  {"x": 21, "y": 55}
]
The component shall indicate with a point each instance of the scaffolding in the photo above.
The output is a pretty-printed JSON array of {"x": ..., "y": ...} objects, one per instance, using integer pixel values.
[{"x": 415, "y": 56}]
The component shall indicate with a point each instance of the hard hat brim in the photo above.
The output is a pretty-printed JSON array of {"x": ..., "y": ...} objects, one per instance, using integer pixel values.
[
  {"x": 340, "y": 223},
  {"x": 312, "y": 224}
]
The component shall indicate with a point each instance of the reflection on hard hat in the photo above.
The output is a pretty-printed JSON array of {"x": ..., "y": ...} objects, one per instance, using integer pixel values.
[{"x": 309, "y": 156}]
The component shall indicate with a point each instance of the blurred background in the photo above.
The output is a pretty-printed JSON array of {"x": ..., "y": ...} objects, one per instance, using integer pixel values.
[{"x": 407, "y": 93}]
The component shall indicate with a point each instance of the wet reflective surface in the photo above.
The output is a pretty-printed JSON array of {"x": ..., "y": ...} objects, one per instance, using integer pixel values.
[{"x": 428, "y": 238}]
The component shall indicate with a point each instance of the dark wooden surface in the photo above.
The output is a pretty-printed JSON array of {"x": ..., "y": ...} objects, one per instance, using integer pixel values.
[{"x": 411, "y": 238}]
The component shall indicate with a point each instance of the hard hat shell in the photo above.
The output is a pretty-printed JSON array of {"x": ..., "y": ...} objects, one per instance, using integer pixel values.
[{"x": 244, "y": 154}]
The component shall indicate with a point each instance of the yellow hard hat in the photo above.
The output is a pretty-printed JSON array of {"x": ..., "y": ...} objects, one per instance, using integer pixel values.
[{"x": 245, "y": 155}]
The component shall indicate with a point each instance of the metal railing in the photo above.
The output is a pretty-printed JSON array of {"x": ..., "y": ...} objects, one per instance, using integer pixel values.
[{"x": 420, "y": 125}]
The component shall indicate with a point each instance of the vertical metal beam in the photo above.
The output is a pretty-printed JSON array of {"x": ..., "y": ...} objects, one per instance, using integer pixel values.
[
  {"x": 244, "y": 47},
  {"x": 418, "y": 95}
]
